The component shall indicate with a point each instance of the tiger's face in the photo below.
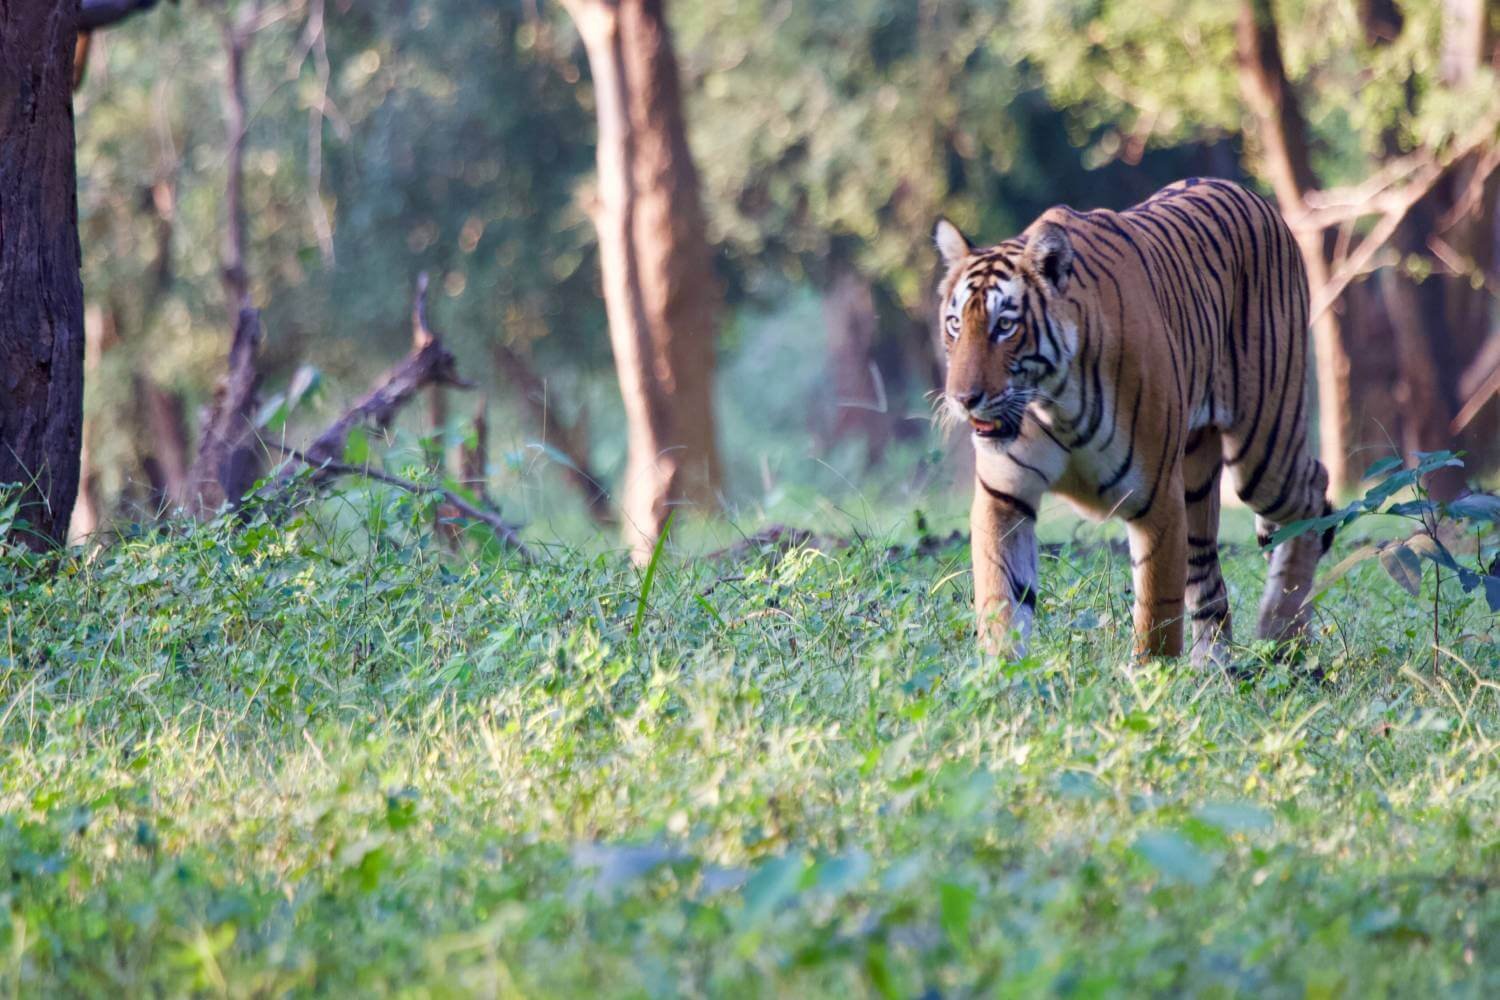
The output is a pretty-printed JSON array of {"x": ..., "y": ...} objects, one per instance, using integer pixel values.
[{"x": 1005, "y": 325}]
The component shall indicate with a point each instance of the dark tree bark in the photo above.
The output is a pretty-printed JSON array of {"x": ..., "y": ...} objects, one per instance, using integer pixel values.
[
  {"x": 41, "y": 293},
  {"x": 660, "y": 290}
]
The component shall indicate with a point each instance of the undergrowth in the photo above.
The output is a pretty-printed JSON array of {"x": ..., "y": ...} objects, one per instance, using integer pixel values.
[{"x": 246, "y": 760}]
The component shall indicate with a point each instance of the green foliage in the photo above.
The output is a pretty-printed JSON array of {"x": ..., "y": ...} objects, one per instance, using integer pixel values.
[
  {"x": 882, "y": 116},
  {"x": 1472, "y": 518},
  {"x": 329, "y": 758},
  {"x": 1165, "y": 72}
]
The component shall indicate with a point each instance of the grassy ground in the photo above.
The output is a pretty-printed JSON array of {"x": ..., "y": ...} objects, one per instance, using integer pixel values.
[{"x": 278, "y": 760}]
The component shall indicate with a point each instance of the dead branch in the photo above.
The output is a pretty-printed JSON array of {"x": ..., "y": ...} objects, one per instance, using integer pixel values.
[
  {"x": 227, "y": 461},
  {"x": 1391, "y": 193},
  {"x": 429, "y": 363},
  {"x": 568, "y": 439},
  {"x": 328, "y": 469},
  {"x": 1479, "y": 383}
]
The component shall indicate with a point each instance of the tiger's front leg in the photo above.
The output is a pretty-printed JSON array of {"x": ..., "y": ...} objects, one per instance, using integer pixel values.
[
  {"x": 1158, "y": 559},
  {"x": 1003, "y": 535}
]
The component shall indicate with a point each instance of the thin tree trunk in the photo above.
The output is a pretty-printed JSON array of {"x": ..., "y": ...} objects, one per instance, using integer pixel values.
[
  {"x": 1282, "y": 133},
  {"x": 99, "y": 334},
  {"x": 861, "y": 409},
  {"x": 168, "y": 461},
  {"x": 41, "y": 293},
  {"x": 661, "y": 294}
]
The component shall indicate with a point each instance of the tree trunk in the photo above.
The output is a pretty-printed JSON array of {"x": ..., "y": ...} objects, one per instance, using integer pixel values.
[
  {"x": 168, "y": 460},
  {"x": 41, "y": 293},
  {"x": 1282, "y": 134},
  {"x": 99, "y": 334},
  {"x": 860, "y": 405},
  {"x": 661, "y": 294}
]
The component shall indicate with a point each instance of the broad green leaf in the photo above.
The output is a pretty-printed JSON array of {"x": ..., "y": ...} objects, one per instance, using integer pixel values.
[
  {"x": 1476, "y": 507},
  {"x": 614, "y": 866},
  {"x": 1412, "y": 508},
  {"x": 357, "y": 447},
  {"x": 842, "y": 873},
  {"x": 1234, "y": 817},
  {"x": 1431, "y": 461},
  {"x": 1383, "y": 466},
  {"x": 955, "y": 904},
  {"x": 1379, "y": 494},
  {"x": 773, "y": 883},
  {"x": 650, "y": 578},
  {"x": 1175, "y": 857},
  {"x": 1337, "y": 519},
  {"x": 1344, "y": 565},
  {"x": 1404, "y": 567}
]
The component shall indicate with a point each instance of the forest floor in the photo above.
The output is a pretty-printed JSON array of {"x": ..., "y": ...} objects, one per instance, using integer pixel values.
[{"x": 273, "y": 760}]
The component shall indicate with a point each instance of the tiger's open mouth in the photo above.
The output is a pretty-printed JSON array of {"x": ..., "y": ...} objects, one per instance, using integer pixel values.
[{"x": 993, "y": 429}]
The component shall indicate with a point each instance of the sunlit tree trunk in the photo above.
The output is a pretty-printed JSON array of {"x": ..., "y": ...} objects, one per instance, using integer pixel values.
[
  {"x": 661, "y": 294},
  {"x": 41, "y": 293}
]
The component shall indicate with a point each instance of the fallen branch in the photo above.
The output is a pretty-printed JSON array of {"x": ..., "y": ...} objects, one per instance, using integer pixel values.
[
  {"x": 429, "y": 363},
  {"x": 327, "y": 469}
]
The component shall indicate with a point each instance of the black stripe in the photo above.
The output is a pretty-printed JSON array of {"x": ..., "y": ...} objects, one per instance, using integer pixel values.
[{"x": 1021, "y": 505}]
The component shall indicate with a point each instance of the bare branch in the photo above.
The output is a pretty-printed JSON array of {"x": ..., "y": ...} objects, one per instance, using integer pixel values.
[
  {"x": 429, "y": 363},
  {"x": 327, "y": 469},
  {"x": 1393, "y": 204},
  {"x": 1400, "y": 182}
]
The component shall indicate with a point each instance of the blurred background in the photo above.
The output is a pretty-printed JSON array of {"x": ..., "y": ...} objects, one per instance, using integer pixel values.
[{"x": 740, "y": 192}]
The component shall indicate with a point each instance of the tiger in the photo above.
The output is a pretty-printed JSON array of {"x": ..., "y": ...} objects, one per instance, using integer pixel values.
[{"x": 1121, "y": 360}]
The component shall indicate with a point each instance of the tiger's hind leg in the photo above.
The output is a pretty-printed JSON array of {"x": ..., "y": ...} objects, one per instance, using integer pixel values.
[
  {"x": 1207, "y": 597},
  {"x": 1297, "y": 493}
]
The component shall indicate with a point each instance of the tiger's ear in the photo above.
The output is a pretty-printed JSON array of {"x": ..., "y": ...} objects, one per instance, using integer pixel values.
[
  {"x": 1049, "y": 253},
  {"x": 952, "y": 245}
]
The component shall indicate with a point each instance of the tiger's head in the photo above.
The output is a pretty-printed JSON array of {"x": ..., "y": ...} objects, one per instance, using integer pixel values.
[{"x": 1007, "y": 328}]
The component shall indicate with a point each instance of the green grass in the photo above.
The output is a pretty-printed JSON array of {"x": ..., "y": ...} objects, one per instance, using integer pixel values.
[{"x": 285, "y": 759}]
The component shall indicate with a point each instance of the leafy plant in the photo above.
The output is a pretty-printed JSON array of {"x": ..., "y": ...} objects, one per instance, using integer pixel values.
[{"x": 1403, "y": 558}]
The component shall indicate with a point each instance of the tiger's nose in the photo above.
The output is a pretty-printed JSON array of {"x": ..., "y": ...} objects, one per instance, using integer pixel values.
[{"x": 970, "y": 400}]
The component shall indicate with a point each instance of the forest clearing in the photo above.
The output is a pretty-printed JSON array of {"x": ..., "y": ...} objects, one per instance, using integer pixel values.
[{"x": 746, "y": 498}]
